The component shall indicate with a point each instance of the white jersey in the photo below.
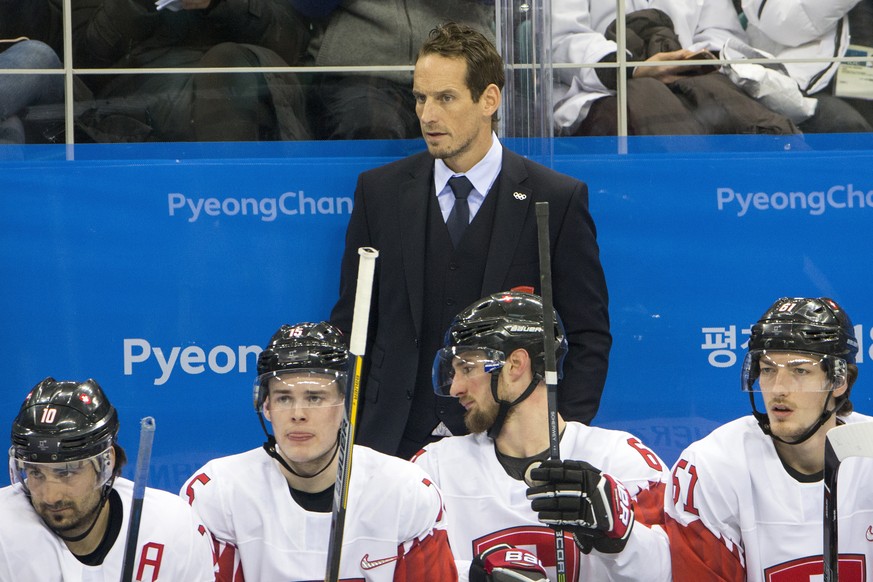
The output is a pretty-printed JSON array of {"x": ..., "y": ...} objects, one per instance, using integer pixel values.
[
  {"x": 486, "y": 506},
  {"x": 171, "y": 545},
  {"x": 394, "y": 526},
  {"x": 735, "y": 513}
]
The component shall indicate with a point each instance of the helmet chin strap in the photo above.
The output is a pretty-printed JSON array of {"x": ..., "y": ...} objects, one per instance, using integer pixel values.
[
  {"x": 505, "y": 405},
  {"x": 272, "y": 449},
  {"x": 764, "y": 421}
]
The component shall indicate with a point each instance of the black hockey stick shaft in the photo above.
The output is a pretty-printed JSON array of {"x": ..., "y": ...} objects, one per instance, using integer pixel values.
[
  {"x": 140, "y": 480},
  {"x": 831, "y": 534},
  {"x": 842, "y": 442},
  {"x": 357, "y": 347},
  {"x": 542, "y": 212}
]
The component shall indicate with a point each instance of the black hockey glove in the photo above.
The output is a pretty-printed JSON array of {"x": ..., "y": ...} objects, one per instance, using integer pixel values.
[
  {"x": 596, "y": 508},
  {"x": 504, "y": 563}
]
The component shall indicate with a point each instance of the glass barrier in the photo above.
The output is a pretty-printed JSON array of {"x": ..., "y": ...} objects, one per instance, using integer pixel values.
[{"x": 118, "y": 71}]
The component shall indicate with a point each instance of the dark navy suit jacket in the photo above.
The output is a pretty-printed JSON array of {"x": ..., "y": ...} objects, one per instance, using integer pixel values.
[{"x": 390, "y": 215}]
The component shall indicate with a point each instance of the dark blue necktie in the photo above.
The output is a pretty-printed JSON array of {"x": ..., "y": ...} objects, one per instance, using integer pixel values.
[{"x": 459, "y": 217}]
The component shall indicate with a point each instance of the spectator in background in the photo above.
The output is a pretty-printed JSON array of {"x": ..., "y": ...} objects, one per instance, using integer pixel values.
[
  {"x": 377, "y": 105},
  {"x": 18, "y": 92},
  {"x": 22, "y": 30},
  {"x": 799, "y": 29},
  {"x": 188, "y": 33},
  {"x": 662, "y": 100}
]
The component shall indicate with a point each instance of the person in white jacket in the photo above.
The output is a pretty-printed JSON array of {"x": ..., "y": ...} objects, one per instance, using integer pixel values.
[
  {"x": 657, "y": 96},
  {"x": 809, "y": 29}
]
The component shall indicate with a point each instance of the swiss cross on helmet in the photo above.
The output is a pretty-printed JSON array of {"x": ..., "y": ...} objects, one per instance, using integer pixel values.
[
  {"x": 303, "y": 346},
  {"x": 63, "y": 421}
]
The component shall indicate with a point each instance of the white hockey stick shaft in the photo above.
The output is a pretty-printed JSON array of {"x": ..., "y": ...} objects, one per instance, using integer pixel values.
[
  {"x": 542, "y": 212},
  {"x": 841, "y": 443},
  {"x": 140, "y": 480},
  {"x": 357, "y": 347}
]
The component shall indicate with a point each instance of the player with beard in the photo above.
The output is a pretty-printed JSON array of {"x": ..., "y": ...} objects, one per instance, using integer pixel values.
[
  {"x": 746, "y": 501},
  {"x": 65, "y": 516},
  {"x": 269, "y": 509},
  {"x": 493, "y": 363}
]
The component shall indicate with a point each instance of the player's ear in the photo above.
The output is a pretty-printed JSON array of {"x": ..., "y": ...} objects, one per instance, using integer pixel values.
[
  {"x": 518, "y": 363},
  {"x": 266, "y": 408},
  {"x": 840, "y": 389}
]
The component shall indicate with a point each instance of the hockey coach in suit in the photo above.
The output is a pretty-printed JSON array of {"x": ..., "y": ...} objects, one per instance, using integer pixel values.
[{"x": 454, "y": 224}]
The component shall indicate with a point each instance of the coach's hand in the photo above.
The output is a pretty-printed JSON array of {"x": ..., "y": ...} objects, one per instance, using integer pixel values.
[
  {"x": 504, "y": 563},
  {"x": 575, "y": 496}
]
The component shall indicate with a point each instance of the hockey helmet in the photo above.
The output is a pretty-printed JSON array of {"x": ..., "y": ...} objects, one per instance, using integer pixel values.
[
  {"x": 497, "y": 326},
  {"x": 63, "y": 421},
  {"x": 817, "y": 327},
  {"x": 316, "y": 347}
]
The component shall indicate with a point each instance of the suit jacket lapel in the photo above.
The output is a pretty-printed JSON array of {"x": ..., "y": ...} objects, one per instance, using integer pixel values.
[
  {"x": 513, "y": 200},
  {"x": 414, "y": 197}
]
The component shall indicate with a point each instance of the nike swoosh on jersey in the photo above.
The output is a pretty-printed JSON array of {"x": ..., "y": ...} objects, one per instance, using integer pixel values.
[{"x": 366, "y": 564}]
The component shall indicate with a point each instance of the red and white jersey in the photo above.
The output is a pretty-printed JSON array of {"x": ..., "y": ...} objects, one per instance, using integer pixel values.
[
  {"x": 486, "y": 506},
  {"x": 735, "y": 513},
  {"x": 394, "y": 528},
  {"x": 171, "y": 545}
]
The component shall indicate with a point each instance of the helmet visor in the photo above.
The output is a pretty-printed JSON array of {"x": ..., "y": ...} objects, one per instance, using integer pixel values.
[
  {"x": 301, "y": 388},
  {"x": 457, "y": 363},
  {"x": 74, "y": 476},
  {"x": 773, "y": 370}
]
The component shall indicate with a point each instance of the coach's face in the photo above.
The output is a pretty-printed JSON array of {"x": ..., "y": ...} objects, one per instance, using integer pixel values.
[
  {"x": 455, "y": 128},
  {"x": 305, "y": 410}
]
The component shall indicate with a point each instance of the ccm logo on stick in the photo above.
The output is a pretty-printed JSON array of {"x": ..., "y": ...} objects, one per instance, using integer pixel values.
[{"x": 191, "y": 359}]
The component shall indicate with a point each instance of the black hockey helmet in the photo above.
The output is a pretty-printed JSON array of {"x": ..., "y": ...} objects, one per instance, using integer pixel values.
[
  {"x": 506, "y": 322},
  {"x": 800, "y": 324},
  {"x": 63, "y": 421},
  {"x": 303, "y": 346},
  {"x": 816, "y": 328}
]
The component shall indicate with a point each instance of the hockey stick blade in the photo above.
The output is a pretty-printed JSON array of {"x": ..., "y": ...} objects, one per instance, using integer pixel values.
[
  {"x": 842, "y": 442},
  {"x": 140, "y": 479},
  {"x": 357, "y": 347}
]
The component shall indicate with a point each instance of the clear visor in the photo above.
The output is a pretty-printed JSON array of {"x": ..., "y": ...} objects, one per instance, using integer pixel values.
[
  {"x": 772, "y": 371},
  {"x": 303, "y": 388},
  {"x": 74, "y": 475},
  {"x": 463, "y": 363}
]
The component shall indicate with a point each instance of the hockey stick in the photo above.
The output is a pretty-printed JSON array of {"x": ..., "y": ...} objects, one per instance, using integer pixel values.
[
  {"x": 357, "y": 347},
  {"x": 542, "y": 210},
  {"x": 842, "y": 442},
  {"x": 143, "y": 459}
]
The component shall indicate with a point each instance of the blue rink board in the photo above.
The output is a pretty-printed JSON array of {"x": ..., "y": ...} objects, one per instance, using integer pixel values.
[{"x": 117, "y": 261}]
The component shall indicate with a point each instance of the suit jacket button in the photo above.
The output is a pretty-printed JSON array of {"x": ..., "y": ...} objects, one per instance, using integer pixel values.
[{"x": 450, "y": 302}]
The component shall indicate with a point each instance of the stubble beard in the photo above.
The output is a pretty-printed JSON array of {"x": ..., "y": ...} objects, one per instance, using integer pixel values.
[{"x": 77, "y": 521}]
